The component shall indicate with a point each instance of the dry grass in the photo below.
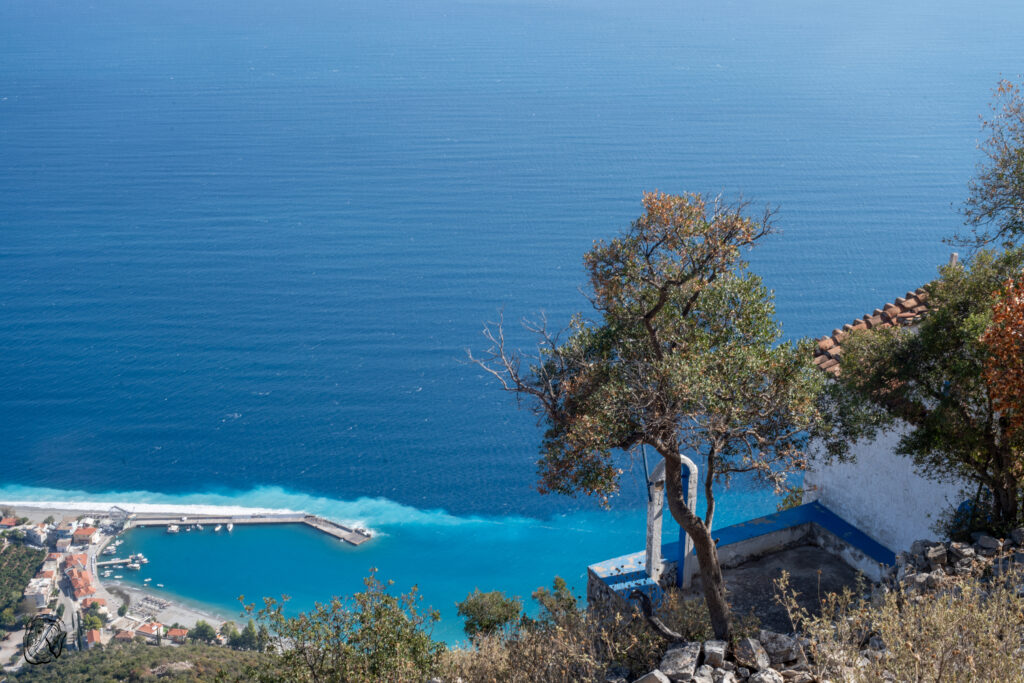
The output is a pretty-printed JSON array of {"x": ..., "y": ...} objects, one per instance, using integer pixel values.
[{"x": 970, "y": 629}]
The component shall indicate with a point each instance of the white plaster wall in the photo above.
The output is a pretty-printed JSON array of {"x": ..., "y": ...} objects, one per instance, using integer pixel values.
[{"x": 880, "y": 494}]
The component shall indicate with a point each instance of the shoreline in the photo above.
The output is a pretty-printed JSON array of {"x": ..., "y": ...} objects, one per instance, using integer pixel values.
[
  {"x": 44, "y": 508},
  {"x": 179, "y": 609}
]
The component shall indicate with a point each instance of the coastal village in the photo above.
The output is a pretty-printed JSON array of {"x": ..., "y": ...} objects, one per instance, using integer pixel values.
[{"x": 78, "y": 579}]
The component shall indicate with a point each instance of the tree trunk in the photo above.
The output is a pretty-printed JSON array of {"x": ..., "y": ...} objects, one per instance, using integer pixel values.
[
  {"x": 1006, "y": 500},
  {"x": 704, "y": 545}
]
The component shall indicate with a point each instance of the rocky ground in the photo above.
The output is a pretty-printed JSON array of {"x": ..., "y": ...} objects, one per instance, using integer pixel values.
[{"x": 773, "y": 657}]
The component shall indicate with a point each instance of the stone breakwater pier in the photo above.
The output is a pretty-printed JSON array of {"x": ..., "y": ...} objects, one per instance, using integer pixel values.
[{"x": 353, "y": 536}]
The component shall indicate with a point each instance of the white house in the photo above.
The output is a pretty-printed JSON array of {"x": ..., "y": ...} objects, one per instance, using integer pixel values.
[{"x": 879, "y": 492}]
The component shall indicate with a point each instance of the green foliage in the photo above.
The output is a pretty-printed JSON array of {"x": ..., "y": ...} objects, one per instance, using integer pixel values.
[
  {"x": 489, "y": 613},
  {"x": 371, "y": 636},
  {"x": 246, "y": 639},
  {"x": 931, "y": 378},
  {"x": 228, "y": 629},
  {"x": 202, "y": 632},
  {"x": 995, "y": 206},
  {"x": 134, "y": 662},
  {"x": 686, "y": 355},
  {"x": 122, "y": 610},
  {"x": 18, "y": 564},
  {"x": 557, "y": 605},
  {"x": 49, "y": 520},
  {"x": 571, "y": 644},
  {"x": 91, "y": 621}
]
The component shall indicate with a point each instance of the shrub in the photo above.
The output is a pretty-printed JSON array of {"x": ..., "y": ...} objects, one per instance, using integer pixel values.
[
  {"x": 489, "y": 613},
  {"x": 971, "y": 630},
  {"x": 373, "y": 636}
]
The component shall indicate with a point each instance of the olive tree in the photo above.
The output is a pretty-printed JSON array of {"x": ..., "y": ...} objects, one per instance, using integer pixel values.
[
  {"x": 683, "y": 356},
  {"x": 942, "y": 380},
  {"x": 995, "y": 206}
]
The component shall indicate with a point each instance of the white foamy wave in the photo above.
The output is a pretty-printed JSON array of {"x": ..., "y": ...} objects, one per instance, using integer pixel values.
[{"x": 374, "y": 514}]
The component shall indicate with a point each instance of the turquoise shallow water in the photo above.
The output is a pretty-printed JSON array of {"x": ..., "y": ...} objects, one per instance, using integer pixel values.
[{"x": 242, "y": 250}]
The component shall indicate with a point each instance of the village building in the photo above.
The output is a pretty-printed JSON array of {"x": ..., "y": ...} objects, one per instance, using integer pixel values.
[
  {"x": 124, "y": 637},
  {"x": 177, "y": 635},
  {"x": 38, "y": 534},
  {"x": 8, "y": 522},
  {"x": 62, "y": 545},
  {"x": 152, "y": 630},
  {"x": 82, "y": 583},
  {"x": 38, "y": 590},
  {"x": 92, "y": 638},
  {"x": 65, "y": 529},
  {"x": 101, "y": 605},
  {"x": 76, "y": 561},
  {"x": 85, "y": 535}
]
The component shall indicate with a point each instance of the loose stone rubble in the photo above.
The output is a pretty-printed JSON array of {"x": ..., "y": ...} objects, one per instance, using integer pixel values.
[{"x": 780, "y": 658}]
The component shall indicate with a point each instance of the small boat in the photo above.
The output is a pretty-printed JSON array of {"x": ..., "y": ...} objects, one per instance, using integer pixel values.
[
  {"x": 172, "y": 528},
  {"x": 217, "y": 528},
  {"x": 160, "y": 585},
  {"x": 118, "y": 576},
  {"x": 199, "y": 526},
  {"x": 147, "y": 580},
  {"x": 134, "y": 566},
  {"x": 230, "y": 526}
]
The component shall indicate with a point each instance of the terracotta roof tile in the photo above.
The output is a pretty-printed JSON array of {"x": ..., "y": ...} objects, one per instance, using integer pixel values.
[{"x": 906, "y": 310}]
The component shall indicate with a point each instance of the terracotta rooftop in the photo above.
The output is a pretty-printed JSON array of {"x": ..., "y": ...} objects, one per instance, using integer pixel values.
[
  {"x": 92, "y": 636},
  {"x": 152, "y": 628},
  {"x": 907, "y": 310},
  {"x": 124, "y": 635}
]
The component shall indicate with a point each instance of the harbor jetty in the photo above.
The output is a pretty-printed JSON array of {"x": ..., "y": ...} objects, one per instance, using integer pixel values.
[{"x": 353, "y": 536}]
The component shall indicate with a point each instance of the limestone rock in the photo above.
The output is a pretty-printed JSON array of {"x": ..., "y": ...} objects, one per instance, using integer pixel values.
[
  {"x": 794, "y": 676},
  {"x": 780, "y": 648},
  {"x": 987, "y": 542},
  {"x": 1017, "y": 536},
  {"x": 767, "y": 676},
  {"x": 743, "y": 673},
  {"x": 935, "y": 579},
  {"x": 714, "y": 652},
  {"x": 959, "y": 551},
  {"x": 750, "y": 654},
  {"x": 680, "y": 661},
  {"x": 723, "y": 676},
  {"x": 936, "y": 556},
  {"x": 653, "y": 677},
  {"x": 704, "y": 674}
]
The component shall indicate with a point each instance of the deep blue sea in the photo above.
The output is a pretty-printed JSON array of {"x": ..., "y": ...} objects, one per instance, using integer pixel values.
[{"x": 243, "y": 246}]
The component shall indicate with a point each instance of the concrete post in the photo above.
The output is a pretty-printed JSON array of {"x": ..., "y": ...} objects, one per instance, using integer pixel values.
[
  {"x": 683, "y": 578},
  {"x": 655, "y": 508}
]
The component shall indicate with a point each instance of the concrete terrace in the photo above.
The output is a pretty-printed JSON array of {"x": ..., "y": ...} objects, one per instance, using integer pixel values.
[{"x": 811, "y": 524}]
